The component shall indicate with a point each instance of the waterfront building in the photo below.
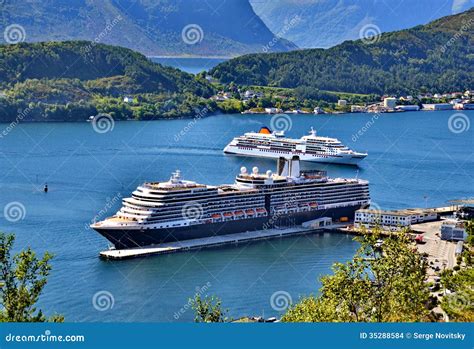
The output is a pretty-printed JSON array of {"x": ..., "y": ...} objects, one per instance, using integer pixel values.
[
  {"x": 395, "y": 219},
  {"x": 407, "y": 107},
  {"x": 390, "y": 102},
  {"x": 453, "y": 231},
  {"x": 438, "y": 106},
  {"x": 358, "y": 109}
]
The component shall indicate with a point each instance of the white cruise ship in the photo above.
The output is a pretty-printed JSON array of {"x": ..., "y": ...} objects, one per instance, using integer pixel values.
[
  {"x": 178, "y": 209},
  {"x": 268, "y": 144}
]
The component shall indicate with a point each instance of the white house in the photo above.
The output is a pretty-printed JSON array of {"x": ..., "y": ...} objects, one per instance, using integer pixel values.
[{"x": 342, "y": 102}]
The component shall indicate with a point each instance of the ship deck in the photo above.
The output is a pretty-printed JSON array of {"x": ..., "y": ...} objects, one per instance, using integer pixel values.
[{"x": 214, "y": 241}]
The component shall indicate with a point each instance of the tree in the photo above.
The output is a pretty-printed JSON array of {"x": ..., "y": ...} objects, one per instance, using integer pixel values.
[
  {"x": 459, "y": 304},
  {"x": 22, "y": 279},
  {"x": 208, "y": 309},
  {"x": 382, "y": 283}
]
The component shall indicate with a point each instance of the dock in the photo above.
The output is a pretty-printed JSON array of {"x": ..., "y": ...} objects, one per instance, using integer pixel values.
[{"x": 213, "y": 241}]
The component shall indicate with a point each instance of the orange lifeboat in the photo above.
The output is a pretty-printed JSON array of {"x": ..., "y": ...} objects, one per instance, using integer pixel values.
[
  {"x": 239, "y": 213},
  {"x": 215, "y": 216},
  {"x": 249, "y": 212},
  {"x": 228, "y": 214},
  {"x": 313, "y": 204},
  {"x": 261, "y": 210}
]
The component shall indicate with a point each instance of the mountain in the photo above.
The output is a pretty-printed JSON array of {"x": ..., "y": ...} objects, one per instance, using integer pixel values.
[
  {"x": 438, "y": 56},
  {"x": 326, "y": 23},
  {"x": 153, "y": 27},
  {"x": 72, "y": 80}
]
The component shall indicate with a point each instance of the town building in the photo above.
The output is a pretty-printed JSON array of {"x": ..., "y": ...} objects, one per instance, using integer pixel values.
[
  {"x": 395, "y": 219},
  {"x": 358, "y": 109},
  {"x": 438, "y": 106},
  {"x": 453, "y": 231},
  {"x": 390, "y": 102},
  {"x": 342, "y": 102},
  {"x": 407, "y": 107}
]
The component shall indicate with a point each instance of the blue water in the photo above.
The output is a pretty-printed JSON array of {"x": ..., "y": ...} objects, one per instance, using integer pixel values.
[
  {"x": 414, "y": 160},
  {"x": 190, "y": 65}
]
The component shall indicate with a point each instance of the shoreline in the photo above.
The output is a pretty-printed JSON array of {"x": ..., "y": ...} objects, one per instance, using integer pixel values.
[{"x": 192, "y": 117}]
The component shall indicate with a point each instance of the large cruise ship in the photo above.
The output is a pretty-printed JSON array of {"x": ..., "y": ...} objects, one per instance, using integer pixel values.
[
  {"x": 268, "y": 144},
  {"x": 179, "y": 209}
]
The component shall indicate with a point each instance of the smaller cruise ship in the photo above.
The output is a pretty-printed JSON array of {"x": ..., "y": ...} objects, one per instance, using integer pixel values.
[{"x": 268, "y": 144}]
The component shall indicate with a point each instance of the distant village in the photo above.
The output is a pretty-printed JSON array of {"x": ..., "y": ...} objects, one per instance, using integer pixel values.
[{"x": 387, "y": 104}]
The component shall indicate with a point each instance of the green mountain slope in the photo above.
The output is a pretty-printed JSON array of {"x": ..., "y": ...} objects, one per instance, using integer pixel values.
[
  {"x": 153, "y": 27},
  {"x": 72, "y": 80},
  {"x": 438, "y": 56}
]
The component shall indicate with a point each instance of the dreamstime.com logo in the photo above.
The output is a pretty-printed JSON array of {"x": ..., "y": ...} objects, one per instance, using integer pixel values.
[
  {"x": 370, "y": 34},
  {"x": 280, "y": 300},
  {"x": 14, "y": 34},
  {"x": 281, "y": 122},
  {"x": 192, "y": 34},
  {"x": 103, "y": 300},
  {"x": 199, "y": 292},
  {"x": 103, "y": 123},
  {"x": 45, "y": 337},
  {"x": 459, "y": 123},
  {"x": 192, "y": 210},
  {"x": 14, "y": 211},
  {"x": 460, "y": 301}
]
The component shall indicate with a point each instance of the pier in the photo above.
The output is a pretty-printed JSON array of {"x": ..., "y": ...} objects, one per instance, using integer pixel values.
[{"x": 214, "y": 241}]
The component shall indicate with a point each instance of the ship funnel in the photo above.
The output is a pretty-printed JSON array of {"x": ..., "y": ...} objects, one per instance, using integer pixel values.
[
  {"x": 289, "y": 168},
  {"x": 295, "y": 167}
]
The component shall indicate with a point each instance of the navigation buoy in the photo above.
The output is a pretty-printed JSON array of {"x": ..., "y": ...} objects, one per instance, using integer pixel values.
[{"x": 45, "y": 189}]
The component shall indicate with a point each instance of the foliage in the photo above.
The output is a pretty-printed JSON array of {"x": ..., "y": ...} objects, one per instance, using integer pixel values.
[
  {"x": 102, "y": 76},
  {"x": 470, "y": 232},
  {"x": 459, "y": 304},
  {"x": 22, "y": 280},
  {"x": 436, "y": 57},
  {"x": 208, "y": 309},
  {"x": 381, "y": 283}
]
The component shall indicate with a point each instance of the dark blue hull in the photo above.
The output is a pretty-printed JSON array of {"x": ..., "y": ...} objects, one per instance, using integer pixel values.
[{"x": 146, "y": 237}]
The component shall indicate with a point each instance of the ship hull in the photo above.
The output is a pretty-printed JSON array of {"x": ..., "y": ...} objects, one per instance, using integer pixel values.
[
  {"x": 329, "y": 159},
  {"x": 130, "y": 238}
]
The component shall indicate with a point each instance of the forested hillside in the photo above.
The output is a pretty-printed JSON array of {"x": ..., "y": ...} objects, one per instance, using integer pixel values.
[{"x": 438, "y": 57}]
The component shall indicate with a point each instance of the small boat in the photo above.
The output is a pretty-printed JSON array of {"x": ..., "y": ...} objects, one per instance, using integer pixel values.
[{"x": 250, "y": 212}]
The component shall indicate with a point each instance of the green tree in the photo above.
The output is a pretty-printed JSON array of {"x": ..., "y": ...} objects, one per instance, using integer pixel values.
[
  {"x": 22, "y": 279},
  {"x": 382, "y": 283},
  {"x": 459, "y": 304},
  {"x": 208, "y": 309}
]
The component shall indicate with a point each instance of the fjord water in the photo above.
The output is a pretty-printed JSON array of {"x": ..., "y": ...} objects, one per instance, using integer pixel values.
[
  {"x": 189, "y": 65},
  {"x": 415, "y": 159}
]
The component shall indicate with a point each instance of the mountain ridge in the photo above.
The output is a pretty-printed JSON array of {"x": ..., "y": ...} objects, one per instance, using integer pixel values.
[
  {"x": 437, "y": 56},
  {"x": 153, "y": 27},
  {"x": 326, "y": 23}
]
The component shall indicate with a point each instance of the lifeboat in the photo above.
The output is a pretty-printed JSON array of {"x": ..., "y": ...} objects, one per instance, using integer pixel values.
[
  {"x": 249, "y": 212},
  {"x": 216, "y": 215},
  {"x": 261, "y": 210},
  {"x": 313, "y": 204},
  {"x": 228, "y": 214},
  {"x": 239, "y": 213}
]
